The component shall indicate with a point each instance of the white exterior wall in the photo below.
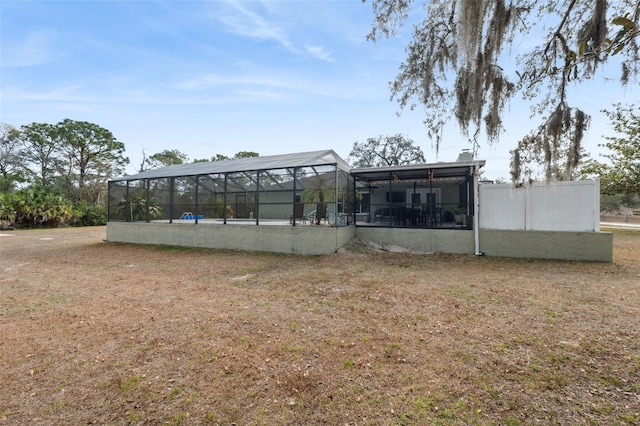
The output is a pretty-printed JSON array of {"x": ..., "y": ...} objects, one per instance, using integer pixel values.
[{"x": 541, "y": 206}]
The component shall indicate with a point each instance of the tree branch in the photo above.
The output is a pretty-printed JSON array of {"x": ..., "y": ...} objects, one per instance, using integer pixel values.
[{"x": 564, "y": 21}]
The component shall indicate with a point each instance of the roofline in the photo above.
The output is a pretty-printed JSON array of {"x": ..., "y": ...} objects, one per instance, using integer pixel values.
[
  {"x": 441, "y": 165},
  {"x": 340, "y": 163}
]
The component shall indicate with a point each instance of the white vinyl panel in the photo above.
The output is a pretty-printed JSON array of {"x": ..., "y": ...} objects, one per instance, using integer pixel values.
[
  {"x": 502, "y": 207},
  {"x": 541, "y": 206}
]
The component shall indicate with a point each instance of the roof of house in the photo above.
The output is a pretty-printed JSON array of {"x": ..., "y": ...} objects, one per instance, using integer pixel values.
[
  {"x": 419, "y": 171},
  {"x": 269, "y": 162}
]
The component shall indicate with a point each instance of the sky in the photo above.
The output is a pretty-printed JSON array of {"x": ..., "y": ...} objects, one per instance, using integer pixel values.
[{"x": 220, "y": 77}]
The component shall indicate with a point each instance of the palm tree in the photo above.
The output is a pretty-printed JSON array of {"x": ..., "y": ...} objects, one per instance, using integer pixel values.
[
  {"x": 135, "y": 208},
  {"x": 7, "y": 210},
  {"x": 318, "y": 191},
  {"x": 39, "y": 207}
]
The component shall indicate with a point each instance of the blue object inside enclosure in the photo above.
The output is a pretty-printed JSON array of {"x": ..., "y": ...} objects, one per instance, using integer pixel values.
[{"x": 191, "y": 217}]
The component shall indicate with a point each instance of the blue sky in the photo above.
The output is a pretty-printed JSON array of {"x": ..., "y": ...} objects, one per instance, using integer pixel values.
[{"x": 218, "y": 77}]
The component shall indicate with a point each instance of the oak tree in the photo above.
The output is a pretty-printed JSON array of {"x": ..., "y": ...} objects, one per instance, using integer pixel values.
[
  {"x": 460, "y": 59},
  {"x": 383, "y": 151}
]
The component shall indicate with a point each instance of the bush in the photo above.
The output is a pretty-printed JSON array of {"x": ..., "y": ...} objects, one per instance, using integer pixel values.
[
  {"x": 87, "y": 214},
  {"x": 7, "y": 210}
]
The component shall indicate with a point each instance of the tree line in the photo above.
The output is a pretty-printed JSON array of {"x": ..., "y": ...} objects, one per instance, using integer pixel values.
[
  {"x": 619, "y": 174},
  {"x": 57, "y": 174}
]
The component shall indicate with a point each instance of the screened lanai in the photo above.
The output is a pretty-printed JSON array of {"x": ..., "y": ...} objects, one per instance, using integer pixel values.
[
  {"x": 309, "y": 188},
  {"x": 322, "y": 205},
  {"x": 439, "y": 195}
]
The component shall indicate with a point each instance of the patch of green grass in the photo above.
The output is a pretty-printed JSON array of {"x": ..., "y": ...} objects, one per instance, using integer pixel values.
[
  {"x": 174, "y": 392},
  {"x": 296, "y": 351},
  {"x": 349, "y": 365},
  {"x": 129, "y": 383},
  {"x": 610, "y": 381},
  {"x": 246, "y": 342},
  {"x": 392, "y": 349},
  {"x": 423, "y": 405},
  {"x": 192, "y": 397},
  {"x": 559, "y": 358},
  {"x": 38, "y": 370},
  {"x": 209, "y": 417},
  {"x": 294, "y": 325},
  {"x": 617, "y": 383},
  {"x": 177, "y": 420},
  {"x": 553, "y": 314},
  {"x": 63, "y": 403},
  {"x": 630, "y": 418},
  {"x": 446, "y": 414},
  {"x": 133, "y": 416},
  {"x": 493, "y": 391},
  {"x": 552, "y": 381},
  {"x": 365, "y": 338},
  {"x": 461, "y": 405},
  {"x": 463, "y": 294},
  {"x": 603, "y": 409}
]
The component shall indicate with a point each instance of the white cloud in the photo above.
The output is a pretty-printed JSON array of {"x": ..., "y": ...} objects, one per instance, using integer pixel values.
[
  {"x": 210, "y": 81},
  {"x": 204, "y": 82},
  {"x": 268, "y": 95},
  {"x": 252, "y": 25},
  {"x": 321, "y": 53},
  {"x": 36, "y": 48},
  {"x": 267, "y": 84}
]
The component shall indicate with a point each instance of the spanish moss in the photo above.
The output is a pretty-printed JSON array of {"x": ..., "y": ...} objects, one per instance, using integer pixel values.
[{"x": 455, "y": 67}]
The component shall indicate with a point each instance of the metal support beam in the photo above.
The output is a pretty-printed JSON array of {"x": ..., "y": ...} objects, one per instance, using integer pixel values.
[
  {"x": 172, "y": 188},
  {"x": 147, "y": 184},
  {"x": 257, "y": 206},
  {"x": 224, "y": 207},
  {"x": 195, "y": 210}
]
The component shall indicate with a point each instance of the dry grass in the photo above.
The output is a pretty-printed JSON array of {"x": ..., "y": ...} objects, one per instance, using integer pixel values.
[{"x": 107, "y": 333}]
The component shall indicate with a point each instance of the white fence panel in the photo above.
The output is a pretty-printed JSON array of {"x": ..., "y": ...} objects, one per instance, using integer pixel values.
[
  {"x": 502, "y": 207},
  {"x": 541, "y": 206}
]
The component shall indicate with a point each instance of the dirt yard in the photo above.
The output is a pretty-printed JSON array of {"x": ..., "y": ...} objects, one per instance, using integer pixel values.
[{"x": 105, "y": 333}]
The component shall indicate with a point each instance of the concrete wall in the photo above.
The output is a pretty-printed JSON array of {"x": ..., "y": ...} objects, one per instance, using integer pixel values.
[
  {"x": 593, "y": 246},
  {"x": 589, "y": 246},
  {"x": 424, "y": 240},
  {"x": 281, "y": 239},
  {"x": 308, "y": 240}
]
